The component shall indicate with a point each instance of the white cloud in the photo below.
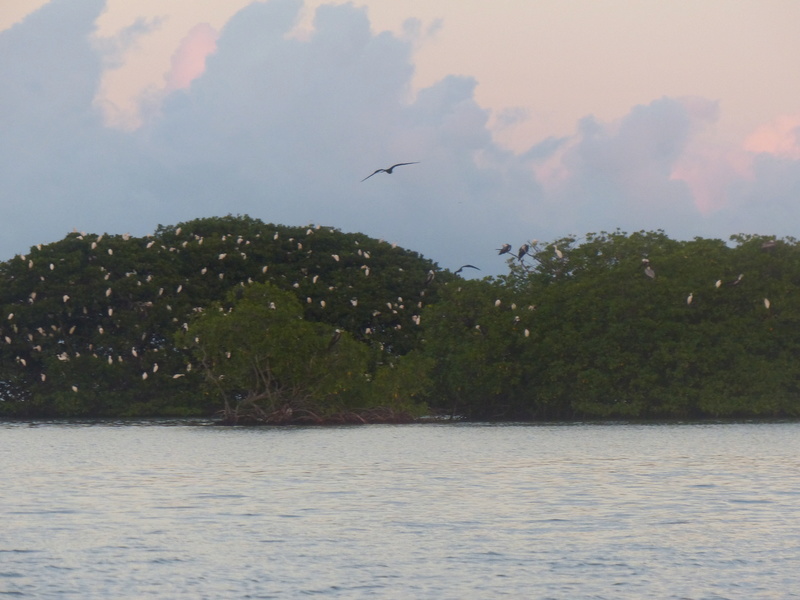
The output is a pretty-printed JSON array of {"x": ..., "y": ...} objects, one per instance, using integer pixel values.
[{"x": 284, "y": 128}]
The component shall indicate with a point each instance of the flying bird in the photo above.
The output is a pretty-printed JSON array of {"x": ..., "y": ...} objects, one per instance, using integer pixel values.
[
  {"x": 462, "y": 267},
  {"x": 389, "y": 170}
]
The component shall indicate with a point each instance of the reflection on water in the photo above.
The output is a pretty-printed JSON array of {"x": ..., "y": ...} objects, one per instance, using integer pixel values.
[{"x": 430, "y": 511}]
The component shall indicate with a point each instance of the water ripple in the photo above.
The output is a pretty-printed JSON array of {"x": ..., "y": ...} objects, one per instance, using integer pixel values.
[{"x": 584, "y": 511}]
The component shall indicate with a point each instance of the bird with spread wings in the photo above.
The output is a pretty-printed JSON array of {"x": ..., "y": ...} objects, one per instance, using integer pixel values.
[{"x": 389, "y": 170}]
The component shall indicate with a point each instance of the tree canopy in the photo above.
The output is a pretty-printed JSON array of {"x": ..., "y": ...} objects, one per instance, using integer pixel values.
[
  {"x": 260, "y": 322},
  {"x": 89, "y": 323}
]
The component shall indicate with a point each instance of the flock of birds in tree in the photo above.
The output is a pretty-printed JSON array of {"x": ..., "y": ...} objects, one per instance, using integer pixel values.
[
  {"x": 525, "y": 250},
  {"x": 35, "y": 339}
]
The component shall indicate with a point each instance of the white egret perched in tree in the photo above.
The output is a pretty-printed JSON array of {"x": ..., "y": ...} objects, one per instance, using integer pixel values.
[
  {"x": 389, "y": 170},
  {"x": 648, "y": 270}
]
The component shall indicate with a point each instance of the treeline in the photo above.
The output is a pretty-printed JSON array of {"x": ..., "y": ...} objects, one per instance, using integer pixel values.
[{"x": 258, "y": 322}]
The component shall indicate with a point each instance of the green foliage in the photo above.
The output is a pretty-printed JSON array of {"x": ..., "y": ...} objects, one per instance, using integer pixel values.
[
  {"x": 608, "y": 341},
  {"x": 99, "y": 313},
  {"x": 270, "y": 365},
  {"x": 181, "y": 323}
]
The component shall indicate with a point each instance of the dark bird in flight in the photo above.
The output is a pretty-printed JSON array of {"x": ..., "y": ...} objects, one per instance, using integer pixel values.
[
  {"x": 505, "y": 249},
  {"x": 462, "y": 267},
  {"x": 389, "y": 170}
]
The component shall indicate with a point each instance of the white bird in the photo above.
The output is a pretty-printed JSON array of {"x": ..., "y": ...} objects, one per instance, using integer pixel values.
[
  {"x": 389, "y": 170},
  {"x": 766, "y": 303},
  {"x": 690, "y": 298},
  {"x": 648, "y": 270},
  {"x": 559, "y": 254}
]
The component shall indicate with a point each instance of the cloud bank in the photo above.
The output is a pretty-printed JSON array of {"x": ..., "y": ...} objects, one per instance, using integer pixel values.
[{"x": 252, "y": 120}]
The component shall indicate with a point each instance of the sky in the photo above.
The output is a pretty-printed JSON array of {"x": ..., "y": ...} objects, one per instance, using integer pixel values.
[{"x": 529, "y": 120}]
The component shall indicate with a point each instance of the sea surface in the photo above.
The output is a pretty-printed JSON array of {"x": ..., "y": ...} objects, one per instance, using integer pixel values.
[{"x": 450, "y": 511}]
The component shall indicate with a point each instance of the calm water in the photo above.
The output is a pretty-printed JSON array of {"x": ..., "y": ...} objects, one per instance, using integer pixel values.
[{"x": 407, "y": 512}]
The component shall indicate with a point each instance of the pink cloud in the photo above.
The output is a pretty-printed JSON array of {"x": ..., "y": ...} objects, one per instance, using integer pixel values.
[
  {"x": 709, "y": 170},
  {"x": 781, "y": 137},
  {"x": 189, "y": 60}
]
